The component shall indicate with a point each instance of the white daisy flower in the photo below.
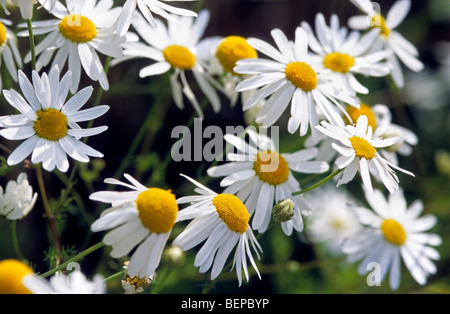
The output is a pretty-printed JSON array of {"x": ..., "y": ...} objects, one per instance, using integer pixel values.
[
  {"x": 261, "y": 177},
  {"x": 290, "y": 78},
  {"x": 79, "y": 31},
  {"x": 175, "y": 47},
  {"x": 331, "y": 224},
  {"x": 18, "y": 199},
  {"x": 74, "y": 283},
  {"x": 25, "y": 6},
  {"x": 393, "y": 232},
  {"x": 221, "y": 220},
  {"x": 380, "y": 119},
  {"x": 389, "y": 38},
  {"x": 9, "y": 50},
  {"x": 224, "y": 52},
  {"x": 12, "y": 273},
  {"x": 147, "y": 7},
  {"x": 142, "y": 218},
  {"x": 49, "y": 123},
  {"x": 359, "y": 153},
  {"x": 347, "y": 54}
]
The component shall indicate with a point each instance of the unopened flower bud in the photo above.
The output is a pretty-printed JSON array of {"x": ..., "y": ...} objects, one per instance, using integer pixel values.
[{"x": 283, "y": 210}]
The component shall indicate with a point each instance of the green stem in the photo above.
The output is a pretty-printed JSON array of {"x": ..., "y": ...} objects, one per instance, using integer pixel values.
[
  {"x": 322, "y": 182},
  {"x": 74, "y": 259},
  {"x": 15, "y": 242},
  {"x": 32, "y": 45},
  {"x": 114, "y": 276},
  {"x": 48, "y": 212}
]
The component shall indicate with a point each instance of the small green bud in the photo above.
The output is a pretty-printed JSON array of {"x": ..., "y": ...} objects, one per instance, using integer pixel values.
[{"x": 283, "y": 210}]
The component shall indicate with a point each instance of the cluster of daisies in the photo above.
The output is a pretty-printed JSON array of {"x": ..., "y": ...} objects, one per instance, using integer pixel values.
[{"x": 314, "y": 76}]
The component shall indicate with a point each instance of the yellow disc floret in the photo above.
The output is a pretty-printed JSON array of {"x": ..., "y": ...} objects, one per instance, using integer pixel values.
[
  {"x": 77, "y": 28},
  {"x": 362, "y": 147},
  {"x": 338, "y": 62},
  {"x": 3, "y": 37},
  {"x": 364, "y": 110},
  {"x": 232, "y": 211},
  {"x": 301, "y": 75},
  {"x": 157, "y": 209},
  {"x": 271, "y": 167},
  {"x": 393, "y": 231},
  {"x": 11, "y": 274},
  {"x": 179, "y": 57},
  {"x": 379, "y": 21},
  {"x": 233, "y": 49},
  {"x": 51, "y": 124}
]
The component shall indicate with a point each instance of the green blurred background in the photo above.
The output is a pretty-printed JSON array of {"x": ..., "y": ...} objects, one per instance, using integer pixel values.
[{"x": 289, "y": 264}]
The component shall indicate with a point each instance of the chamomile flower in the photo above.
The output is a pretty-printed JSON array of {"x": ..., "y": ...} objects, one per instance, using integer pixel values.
[
  {"x": 12, "y": 273},
  {"x": 393, "y": 232},
  {"x": 290, "y": 78},
  {"x": 48, "y": 123},
  {"x": 221, "y": 221},
  {"x": 74, "y": 283},
  {"x": 331, "y": 225},
  {"x": 9, "y": 50},
  {"x": 18, "y": 199},
  {"x": 347, "y": 54},
  {"x": 79, "y": 31},
  {"x": 261, "y": 177},
  {"x": 147, "y": 7},
  {"x": 175, "y": 47},
  {"x": 359, "y": 152},
  {"x": 225, "y": 52},
  {"x": 389, "y": 38},
  {"x": 140, "y": 219},
  {"x": 380, "y": 119}
]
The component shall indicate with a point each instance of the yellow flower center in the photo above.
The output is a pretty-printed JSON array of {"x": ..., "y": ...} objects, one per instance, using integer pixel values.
[
  {"x": 157, "y": 210},
  {"x": 77, "y": 28},
  {"x": 179, "y": 57},
  {"x": 301, "y": 75},
  {"x": 393, "y": 232},
  {"x": 233, "y": 49},
  {"x": 271, "y": 167},
  {"x": 232, "y": 211},
  {"x": 50, "y": 124},
  {"x": 362, "y": 148},
  {"x": 364, "y": 110},
  {"x": 11, "y": 275},
  {"x": 338, "y": 62},
  {"x": 379, "y": 21},
  {"x": 3, "y": 37}
]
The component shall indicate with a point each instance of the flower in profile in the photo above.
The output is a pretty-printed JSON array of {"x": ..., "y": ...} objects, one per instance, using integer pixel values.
[
  {"x": 175, "y": 47},
  {"x": 147, "y": 7},
  {"x": 74, "y": 283},
  {"x": 225, "y": 52},
  {"x": 79, "y": 31},
  {"x": 12, "y": 273},
  {"x": 49, "y": 123},
  {"x": 389, "y": 38},
  {"x": 221, "y": 220},
  {"x": 26, "y": 6},
  {"x": 140, "y": 219},
  {"x": 290, "y": 78},
  {"x": 347, "y": 54},
  {"x": 18, "y": 199},
  {"x": 359, "y": 153},
  {"x": 9, "y": 50},
  {"x": 261, "y": 177},
  {"x": 393, "y": 232}
]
